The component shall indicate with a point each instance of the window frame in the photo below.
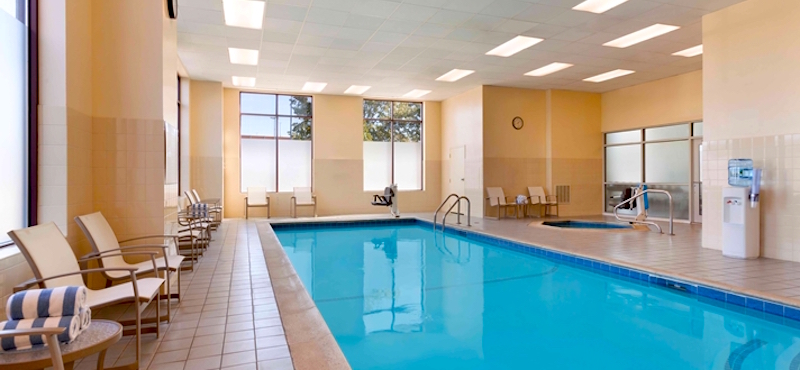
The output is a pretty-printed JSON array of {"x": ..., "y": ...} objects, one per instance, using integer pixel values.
[
  {"x": 391, "y": 121},
  {"x": 277, "y": 136}
]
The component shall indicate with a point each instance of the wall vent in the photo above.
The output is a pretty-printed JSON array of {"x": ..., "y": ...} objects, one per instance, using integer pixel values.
[{"x": 562, "y": 192}]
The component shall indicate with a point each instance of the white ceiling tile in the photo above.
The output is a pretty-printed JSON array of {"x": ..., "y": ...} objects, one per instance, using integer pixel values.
[
  {"x": 466, "y": 34},
  {"x": 318, "y": 29},
  {"x": 279, "y": 37},
  {"x": 433, "y": 30},
  {"x": 279, "y": 11},
  {"x": 326, "y": 16},
  {"x": 411, "y": 12},
  {"x": 505, "y": 8},
  {"x": 515, "y": 26},
  {"x": 282, "y": 25},
  {"x": 418, "y": 41},
  {"x": 450, "y": 17},
  {"x": 364, "y": 22},
  {"x": 433, "y": 3},
  {"x": 472, "y": 6},
  {"x": 388, "y": 37},
  {"x": 540, "y": 13},
  {"x": 318, "y": 41},
  {"x": 407, "y": 27},
  {"x": 544, "y": 31},
  {"x": 341, "y": 5},
  {"x": 573, "y": 34},
  {"x": 376, "y": 8},
  {"x": 483, "y": 22},
  {"x": 377, "y": 47},
  {"x": 346, "y": 44},
  {"x": 201, "y": 15},
  {"x": 671, "y": 14},
  {"x": 354, "y": 34}
]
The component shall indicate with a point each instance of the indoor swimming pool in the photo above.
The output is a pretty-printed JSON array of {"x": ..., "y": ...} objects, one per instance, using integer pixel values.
[{"x": 403, "y": 297}]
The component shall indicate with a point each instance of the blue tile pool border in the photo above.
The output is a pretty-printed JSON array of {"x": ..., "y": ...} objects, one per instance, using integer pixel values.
[{"x": 702, "y": 292}]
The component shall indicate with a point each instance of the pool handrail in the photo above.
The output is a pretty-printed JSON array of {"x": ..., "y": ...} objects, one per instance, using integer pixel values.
[
  {"x": 435, "y": 214},
  {"x": 458, "y": 203},
  {"x": 640, "y": 194}
]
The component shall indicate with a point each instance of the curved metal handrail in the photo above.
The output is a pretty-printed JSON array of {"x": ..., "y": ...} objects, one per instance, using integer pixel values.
[
  {"x": 440, "y": 207},
  {"x": 458, "y": 202},
  {"x": 631, "y": 199}
]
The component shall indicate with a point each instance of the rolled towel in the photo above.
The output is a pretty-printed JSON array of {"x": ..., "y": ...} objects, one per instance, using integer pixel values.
[
  {"x": 37, "y": 303},
  {"x": 85, "y": 318},
  {"x": 71, "y": 323}
]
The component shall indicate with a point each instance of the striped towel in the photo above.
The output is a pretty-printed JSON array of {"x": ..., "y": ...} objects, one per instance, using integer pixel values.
[
  {"x": 85, "y": 318},
  {"x": 72, "y": 323},
  {"x": 39, "y": 303}
]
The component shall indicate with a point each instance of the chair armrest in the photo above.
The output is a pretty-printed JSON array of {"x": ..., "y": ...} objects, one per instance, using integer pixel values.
[
  {"x": 123, "y": 254},
  {"x": 31, "y": 331},
  {"x": 148, "y": 237},
  {"x": 554, "y": 197},
  {"x": 28, "y": 284},
  {"x": 163, "y": 252},
  {"x": 538, "y": 199}
]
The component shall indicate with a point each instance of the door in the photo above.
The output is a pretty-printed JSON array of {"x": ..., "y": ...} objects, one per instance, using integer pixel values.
[
  {"x": 697, "y": 181},
  {"x": 457, "y": 156}
]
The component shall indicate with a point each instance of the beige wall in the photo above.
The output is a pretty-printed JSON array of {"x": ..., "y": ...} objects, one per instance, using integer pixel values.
[
  {"x": 338, "y": 161},
  {"x": 671, "y": 100},
  {"x": 206, "y": 138},
  {"x": 575, "y": 150},
  {"x": 751, "y": 94},
  {"x": 462, "y": 126}
]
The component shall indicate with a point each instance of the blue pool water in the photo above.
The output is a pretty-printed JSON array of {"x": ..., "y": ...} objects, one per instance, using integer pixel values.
[
  {"x": 586, "y": 225},
  {"x": 404, "y": 297}
]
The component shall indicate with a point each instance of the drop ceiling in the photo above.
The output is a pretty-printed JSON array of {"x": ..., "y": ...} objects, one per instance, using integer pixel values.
[{"x": 397, "y": 46}]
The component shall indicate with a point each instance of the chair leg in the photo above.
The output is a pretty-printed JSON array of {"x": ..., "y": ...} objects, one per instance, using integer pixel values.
[
  {"x": 246, "y": 208},
  {"x": 138, "y": 333},
  {"x": 158, "y": 317}
]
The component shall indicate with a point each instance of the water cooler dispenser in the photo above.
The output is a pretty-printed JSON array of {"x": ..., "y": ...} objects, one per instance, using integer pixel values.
[{"x": 741, "y": 234}]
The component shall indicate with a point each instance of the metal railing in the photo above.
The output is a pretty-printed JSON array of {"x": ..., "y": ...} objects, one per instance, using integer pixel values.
[
  {"x": 458, "y": 203},
  {"x": 639, "y": 195}
]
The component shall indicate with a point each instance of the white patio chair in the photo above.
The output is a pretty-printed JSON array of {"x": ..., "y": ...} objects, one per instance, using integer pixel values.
[
  {"x": 537, "y": 195},
  {"x": 498, "y": 199},
  {"x": 214, "y": 209},
  {"x": 303, "y": 198},
  {"x": 54, "y": 264},
  {"x": 104, "y": 242},
  {"x": 257, "y": 197},
  {"x": 51, "y": 338}
]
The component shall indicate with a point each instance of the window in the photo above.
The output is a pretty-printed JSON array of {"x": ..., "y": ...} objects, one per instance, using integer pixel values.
[
  {"x": 392, "y": 145},
  {"x": 14, "y": 107},
  {"x": 275, "y": 141}
]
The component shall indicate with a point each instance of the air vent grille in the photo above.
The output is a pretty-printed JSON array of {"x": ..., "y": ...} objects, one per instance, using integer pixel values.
[{"x": 562, "y": 192}]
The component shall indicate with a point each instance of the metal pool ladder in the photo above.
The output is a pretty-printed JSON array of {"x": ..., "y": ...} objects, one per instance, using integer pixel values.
[
  {"x": 457, "y": 203},
  {"x": 633, "y": 220}
]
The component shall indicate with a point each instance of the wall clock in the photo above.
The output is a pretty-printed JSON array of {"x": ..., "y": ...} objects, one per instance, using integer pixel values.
[
  {"x": 172, "y": 8},
  {"x": 517, "y": 123}
]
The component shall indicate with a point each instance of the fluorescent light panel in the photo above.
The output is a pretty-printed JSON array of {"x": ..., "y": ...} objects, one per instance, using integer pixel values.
[
  {"x": 641, "y": 35},
  {"x": 690, "y": 52},
  {"x": 243, "y": 56},
  {"x": 416, "y": 93},
  {"x": 598, "y": 6},
  {"x": 548, "y": 69},
  {"x": 314, "y": 86},
  {"x": 244, "y": 81},
  {"x": 357, "y": 90},
  {"x": 514, "y": 46},
  {"x": 609, "y": 75},
  {"x": 243, "y": 13},
  {"x": 455, "y": 75}
]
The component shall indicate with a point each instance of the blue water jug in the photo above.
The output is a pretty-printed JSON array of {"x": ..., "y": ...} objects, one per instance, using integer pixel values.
[{"x": 740, "y": 172}]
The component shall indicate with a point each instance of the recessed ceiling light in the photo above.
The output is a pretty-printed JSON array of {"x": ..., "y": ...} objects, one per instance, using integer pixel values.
[
  {"x": 314, "y": 86},
  {"x": 455, "y": 75},
  {"x": 243, "y": 56},
  {"x": 243, "y": 13},
  {"x": 641, "y": 35},
  {"x": 548, "y": 69},
  {"x": 690, "y": 52},
  {"x": 598, "y": 6},
  {"x": 357, "y": 90},
  {"x": 514, "y": 46},
  {"x": 609, "y": 75},
  {"x": 416, "y": 93},
  {"x": 244, "y": 81}
]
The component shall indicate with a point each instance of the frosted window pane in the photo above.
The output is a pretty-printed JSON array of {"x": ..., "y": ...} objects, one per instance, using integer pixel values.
[
  {"x": 257, "y": 103},
  {"x": 697, "y": 129},
  {"x": 294, "y": 164},
  {"x": 624, "y": 163},
  {"x": 667, "y": 162},
  {"x": 634, "y": 136},
  {"x": 258, "y": 163},
  {"x": 659, "y": 203},
  {"x": 408, "y": 165},
  {"x": 13, "y": 105},
  {"x": 666, "y": 133},
  {"x": 258, "y": 126},
  {"x": 377, "y": 165}
]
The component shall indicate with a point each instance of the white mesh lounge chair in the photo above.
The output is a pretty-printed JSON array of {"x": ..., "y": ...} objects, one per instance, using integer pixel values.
[
  {"x": 537, "y": 195},
  {"x": 54, "y": 265},
  {"x": 303, "y": 198},
  {"x": 498, "y": 199},
  {"x": 104, "y": 242},
  {"x": 51, "y": 338},
  {"x": 256, "y": 197}
]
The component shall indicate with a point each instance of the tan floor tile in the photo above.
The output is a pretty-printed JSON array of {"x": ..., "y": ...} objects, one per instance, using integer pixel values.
[{"x": 205, "y": 363}]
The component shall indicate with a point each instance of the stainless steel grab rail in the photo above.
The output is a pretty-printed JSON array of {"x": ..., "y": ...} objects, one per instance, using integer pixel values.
[
  {"x": 440, "y": 208},
  {"x": 631, "y": 199},
  {"x": 458, "y": 203}
]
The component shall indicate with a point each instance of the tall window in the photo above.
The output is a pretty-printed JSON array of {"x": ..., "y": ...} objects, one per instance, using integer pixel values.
[
  {"x": 14, "y": 122},
  {"x": 275, "y": 141},
  {"x": 392, "y": 145}
]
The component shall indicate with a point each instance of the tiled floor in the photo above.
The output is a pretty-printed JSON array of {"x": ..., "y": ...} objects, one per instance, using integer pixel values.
[{"x": 227, "y": 319}]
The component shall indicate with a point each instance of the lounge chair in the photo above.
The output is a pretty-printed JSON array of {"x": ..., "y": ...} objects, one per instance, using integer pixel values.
[
  {"x": 214, "y": 209},
  {"x": 54, "y": 264},
  {"x": 302, "y": 198},
  {"x": 498, "y": 199},
  {"x": 104, "y": 242},
  {"x": 538, "y": 196},
  {"x": 256, "y": 197}
]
